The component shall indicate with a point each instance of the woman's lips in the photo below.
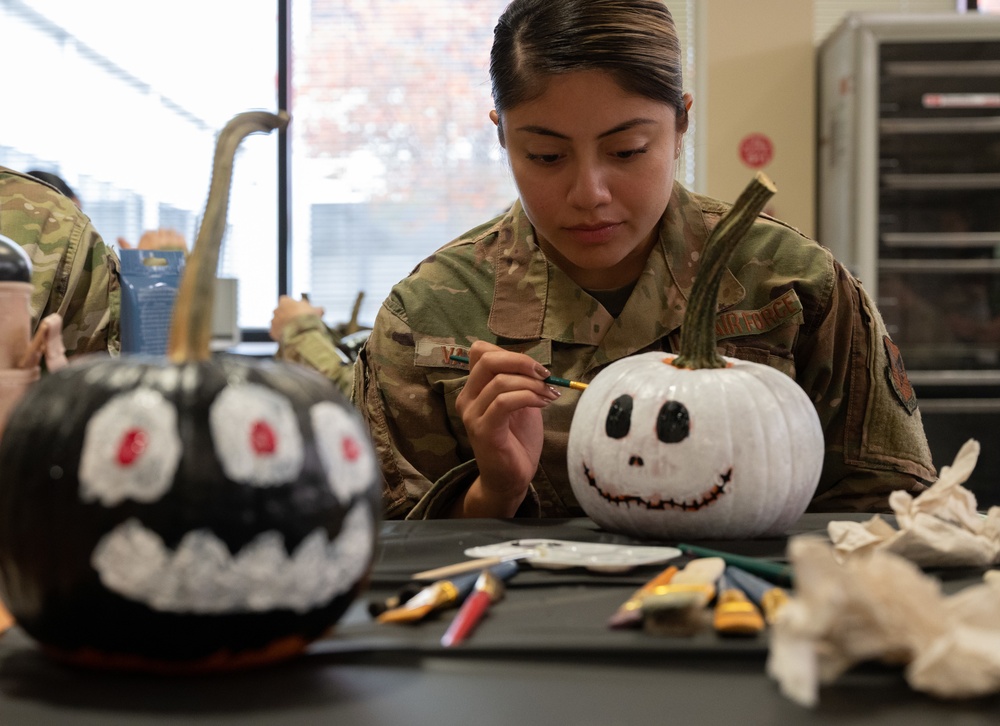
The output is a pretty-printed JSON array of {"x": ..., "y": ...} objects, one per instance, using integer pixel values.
[{"x": 593, "y": 233}]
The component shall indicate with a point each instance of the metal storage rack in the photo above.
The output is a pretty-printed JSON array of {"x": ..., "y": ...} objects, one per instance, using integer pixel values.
[{"x": 909, "y": 201}]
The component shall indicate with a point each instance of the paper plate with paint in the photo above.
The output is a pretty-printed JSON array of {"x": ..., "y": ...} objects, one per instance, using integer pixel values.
[{"x": 562, "y": 554}]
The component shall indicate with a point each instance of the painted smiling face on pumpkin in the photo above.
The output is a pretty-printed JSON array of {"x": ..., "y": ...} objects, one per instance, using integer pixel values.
[
  {"x": 132, "y": 450},
  {"x": 666, "y": 453},
  {"x": 188, "y": 509}
]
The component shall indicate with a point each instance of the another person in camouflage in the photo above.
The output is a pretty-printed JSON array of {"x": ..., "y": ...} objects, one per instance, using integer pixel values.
[
  {"x": 595, "y": 262},
  {"x": 303, "y": 337},
  {"x": 73, "y": 272},
  {"x": 56, "y": 181}
]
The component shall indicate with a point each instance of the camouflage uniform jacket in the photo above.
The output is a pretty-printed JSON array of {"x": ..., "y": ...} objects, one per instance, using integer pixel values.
[
  {"x": 73, "y": 272},
  {"x": 785, "y": 303}
]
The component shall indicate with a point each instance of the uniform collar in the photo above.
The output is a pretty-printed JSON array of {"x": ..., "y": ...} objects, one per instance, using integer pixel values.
[{"x": 534, "y": 299}]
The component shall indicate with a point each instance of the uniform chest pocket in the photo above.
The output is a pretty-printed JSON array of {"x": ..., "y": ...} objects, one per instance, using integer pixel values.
[{"x": 778, "y": 359}]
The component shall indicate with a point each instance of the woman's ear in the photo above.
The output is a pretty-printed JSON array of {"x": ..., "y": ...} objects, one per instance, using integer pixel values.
[
  {"x": 682, "y": 123},
  {"x": 495, "y": 118}
]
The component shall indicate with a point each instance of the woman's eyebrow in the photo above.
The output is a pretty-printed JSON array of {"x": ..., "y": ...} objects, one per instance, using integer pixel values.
[
  {"x": 630, "y": 124},
  {"x": 624, "y": 126}
]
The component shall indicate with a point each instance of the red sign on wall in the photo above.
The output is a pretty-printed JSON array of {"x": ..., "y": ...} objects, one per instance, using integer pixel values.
[{"x": 756, "y": 150}]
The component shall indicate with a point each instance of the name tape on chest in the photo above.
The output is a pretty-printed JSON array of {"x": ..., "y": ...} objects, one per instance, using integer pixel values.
[
  {"x": 735, "y": 323},
  {"x": 432, "y": 352}
]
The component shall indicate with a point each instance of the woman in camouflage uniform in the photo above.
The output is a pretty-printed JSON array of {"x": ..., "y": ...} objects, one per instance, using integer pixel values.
[{"x": 594, "y": 263}]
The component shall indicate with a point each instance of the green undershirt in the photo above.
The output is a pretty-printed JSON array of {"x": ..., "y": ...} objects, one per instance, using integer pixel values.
[{"x": 613, "y": 300}]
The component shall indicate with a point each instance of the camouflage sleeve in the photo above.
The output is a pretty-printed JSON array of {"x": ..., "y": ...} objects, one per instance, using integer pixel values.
[
  {"x": 408, "y": 420},
  {"x": 438, "y": 501},
  {"x": 73, "y": 272},
  {"x": 91, "y": 305},
  {"x": 875, "y": 441},
  {"x": 308, "y": 341}
]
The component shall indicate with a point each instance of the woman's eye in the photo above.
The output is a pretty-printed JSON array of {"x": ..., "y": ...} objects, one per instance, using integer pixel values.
[
  {"x": 630, "y": 153},
  {"x": 544, "y": 158}
]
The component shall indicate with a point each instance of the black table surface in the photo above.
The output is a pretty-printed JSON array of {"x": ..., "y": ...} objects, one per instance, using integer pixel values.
[{"x": 543, "y": 655}]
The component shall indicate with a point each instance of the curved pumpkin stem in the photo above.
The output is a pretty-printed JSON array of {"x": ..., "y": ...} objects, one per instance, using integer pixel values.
[
  {"x": 698, "y": 330},
  {"x": 191, "y": 325}
]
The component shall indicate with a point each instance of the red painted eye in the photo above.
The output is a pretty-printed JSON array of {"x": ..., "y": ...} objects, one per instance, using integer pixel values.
[
  {"x": 256, "y": 435},
  {"x": 130, "y": 449},
  {"x": 351, "y": 449},
  {"x": 262, "y": 438},
  {"x": 133, "y": 444},
  {"x": 343, "y": 448}
]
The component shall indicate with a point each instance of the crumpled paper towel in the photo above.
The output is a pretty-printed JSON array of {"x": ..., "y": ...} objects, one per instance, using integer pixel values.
[
  {"x": 940, "y": 527},
  {"x": 881, "y": 607}
]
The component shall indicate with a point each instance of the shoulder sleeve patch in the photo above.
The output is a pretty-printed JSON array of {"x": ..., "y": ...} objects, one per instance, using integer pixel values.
[
  {"x": 895, "y": 372},
  {"x": 433, "y": 352}
]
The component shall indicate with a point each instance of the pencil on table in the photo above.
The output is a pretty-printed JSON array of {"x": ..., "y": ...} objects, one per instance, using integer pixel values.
[{"x": 460, "y": 568}]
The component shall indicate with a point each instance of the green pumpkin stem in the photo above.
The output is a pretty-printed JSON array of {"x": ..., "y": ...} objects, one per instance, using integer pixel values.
[
  {"x": 698, "y": 330},
  {"x": 191, "y": 325}
]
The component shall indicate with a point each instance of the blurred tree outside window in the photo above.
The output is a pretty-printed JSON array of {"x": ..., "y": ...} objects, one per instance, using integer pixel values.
[{"x": 393, "y": 152}]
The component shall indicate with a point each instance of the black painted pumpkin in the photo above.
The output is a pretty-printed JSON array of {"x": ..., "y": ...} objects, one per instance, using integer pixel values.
[{"x": 185, "y": 513}]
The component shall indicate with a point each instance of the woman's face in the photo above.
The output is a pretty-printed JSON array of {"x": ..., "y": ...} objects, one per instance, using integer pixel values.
[{"x": 594, "y": 167}]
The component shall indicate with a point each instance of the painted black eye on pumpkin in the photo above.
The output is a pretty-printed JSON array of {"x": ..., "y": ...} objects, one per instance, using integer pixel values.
[
  {"x": 131, "y": 449},
  {"x": 256, "y": 435},
  {"x": 619, "y": 418},
  {"x": 343, "y": 449},
  {"x": 673, "y": 423}
]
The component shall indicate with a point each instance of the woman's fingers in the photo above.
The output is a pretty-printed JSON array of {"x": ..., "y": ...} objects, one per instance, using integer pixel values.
[
  {"x": 500, "y": 408},
  {"x": 488, "y": 362},
  {"x": 502, "y": 395}
]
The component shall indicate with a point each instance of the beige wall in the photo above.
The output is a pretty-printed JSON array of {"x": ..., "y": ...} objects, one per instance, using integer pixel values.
[{"x": 756, "y": 76}]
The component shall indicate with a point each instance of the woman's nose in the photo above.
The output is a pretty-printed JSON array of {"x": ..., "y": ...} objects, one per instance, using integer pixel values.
[{"x": 589, "y": 187}]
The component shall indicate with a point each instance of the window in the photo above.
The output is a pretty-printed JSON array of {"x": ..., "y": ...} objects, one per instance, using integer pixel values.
[
  {"x": 124, "y": 101},
  {"x": 391, "y": 150}
]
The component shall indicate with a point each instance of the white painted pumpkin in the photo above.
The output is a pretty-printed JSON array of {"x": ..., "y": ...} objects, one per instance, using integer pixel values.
[
  {"x": 697, "y": 446},
  {"x": 713, "y": 453}
]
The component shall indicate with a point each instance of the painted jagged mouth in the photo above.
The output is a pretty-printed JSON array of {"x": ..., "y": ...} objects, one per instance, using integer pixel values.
[
  {"x": 202, "y": 577},
  {"x": 707, "y": 499}
]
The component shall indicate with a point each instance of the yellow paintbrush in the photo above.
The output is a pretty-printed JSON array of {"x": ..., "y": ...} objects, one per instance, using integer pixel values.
[{"x": 734, "y": 614}]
